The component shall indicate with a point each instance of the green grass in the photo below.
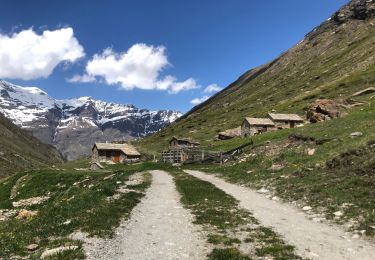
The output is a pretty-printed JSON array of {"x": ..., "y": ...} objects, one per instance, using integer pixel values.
[
  {"x": 226, "y": 223},
  {"x": 19, "y": 150},
  {"x": 226, "y": 254},
  {"x": 306, "y": 178},
  {"x": 78, "y": 201}
]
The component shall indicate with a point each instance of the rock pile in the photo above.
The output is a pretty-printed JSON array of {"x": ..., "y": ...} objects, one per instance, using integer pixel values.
[{"x": 325, "y": 109}]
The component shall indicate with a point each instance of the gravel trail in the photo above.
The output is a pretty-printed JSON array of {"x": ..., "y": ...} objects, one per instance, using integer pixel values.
[
  {"x": 312, "y": 239},
  {"x": 158, "y": 228}
]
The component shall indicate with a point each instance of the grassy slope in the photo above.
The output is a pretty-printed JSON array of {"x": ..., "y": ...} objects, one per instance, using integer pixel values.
[
  {"x": 19, "y": 150},
  {"x": 338, "y": 177},
  {"x": 78, "y": 200},
  {"x": 333, "y": 61}
]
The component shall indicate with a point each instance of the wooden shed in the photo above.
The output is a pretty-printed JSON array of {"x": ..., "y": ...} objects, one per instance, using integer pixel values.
[
  {"x": 115, "y": 153},
  {"x": 179, "y": 143},
  {"x": 230, "y": 133},
  {"x": 253, "y": 126},
  {"x": 285, "y": 120}
]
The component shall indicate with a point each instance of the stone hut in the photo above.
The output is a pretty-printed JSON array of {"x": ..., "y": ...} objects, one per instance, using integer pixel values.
[
  {"x": 253, "y": 126},
  {"x": 115, "y": 153},
  {"x": 283, "y": 121},
  {"x": 180, "y": 143}
]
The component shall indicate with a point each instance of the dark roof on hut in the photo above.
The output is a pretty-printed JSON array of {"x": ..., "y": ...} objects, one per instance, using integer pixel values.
[
  {"x": 184, "y": 140},
  {"x": 259, "y": 121},
  {"x": 125, "y": 148},
  {"x": 285, "y": 117}
]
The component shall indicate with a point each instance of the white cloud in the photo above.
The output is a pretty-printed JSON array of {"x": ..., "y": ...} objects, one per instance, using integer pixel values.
[
  {"x": 139, "y": 67},
  {"x": 27, "y": 55},
  {"x": 197, "y": 101},
  {"x": 212, "y": 88},
  {"x": 84, "y": 78}
]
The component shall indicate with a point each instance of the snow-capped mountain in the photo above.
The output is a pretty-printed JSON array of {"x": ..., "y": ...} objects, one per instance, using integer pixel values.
[{"x": 73, "y": 125}]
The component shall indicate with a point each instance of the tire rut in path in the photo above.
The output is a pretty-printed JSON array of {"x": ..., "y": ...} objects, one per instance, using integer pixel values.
[
  {"x": 312, "y": 240},
  {"x": 158, "y": 228}
]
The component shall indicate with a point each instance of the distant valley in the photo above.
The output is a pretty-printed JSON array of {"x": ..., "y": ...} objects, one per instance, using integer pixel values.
[{"x": 73, "y": 125}]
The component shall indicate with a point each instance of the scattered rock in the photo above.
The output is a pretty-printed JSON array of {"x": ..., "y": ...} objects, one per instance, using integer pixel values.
[
  {"x": 26, "y": 214},
  {"x": 67, "y": 222},
  {"x": 306, "y": 208},
  {"x": 30, "y": 201},
  {"x": 94, "y": 166},
  {"x": 311, "y": 151},
  {"x": 32, "y": 247},
  {"x": 276, "y": 167},
  {"x": 263, "y": 190},
  {"x": 338, "y": 213},
  {"x": 356, "y": 134},
  {"x": 7, "y": 213},
  {"x": 58, "y": 250},
  {"x": 109, "y": 177},
  {"x": 135, "y": 179},
  {"x": 364, "y": 92}
]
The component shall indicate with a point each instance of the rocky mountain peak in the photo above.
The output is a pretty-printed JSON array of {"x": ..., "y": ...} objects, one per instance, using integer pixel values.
[
  {"x": 356, "y": 9},
  {"x": 73, "y": 125}
]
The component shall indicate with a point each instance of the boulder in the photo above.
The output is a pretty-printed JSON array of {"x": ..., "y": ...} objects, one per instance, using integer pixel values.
[
  {"x": 32, "y": 247},
  {"x": 311, "y": 151},
  {"x": 26, "y": 214},
  {"x": 276, "y": 167},
  {"x": 356, "y": 134},
  {"x": 324, "y": 109}
]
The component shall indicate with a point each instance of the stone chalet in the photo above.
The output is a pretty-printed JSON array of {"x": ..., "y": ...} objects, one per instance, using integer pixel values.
[
  {"x": 114, "y": 153},
  {"x": 283, "y": 121},
  {"x": 253, "y": 126}
]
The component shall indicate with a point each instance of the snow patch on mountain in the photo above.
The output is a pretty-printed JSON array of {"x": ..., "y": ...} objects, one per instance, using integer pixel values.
[{"x": 73, "y": 125}]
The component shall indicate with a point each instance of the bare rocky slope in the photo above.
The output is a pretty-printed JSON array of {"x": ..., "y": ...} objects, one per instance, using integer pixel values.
[
  {"x": 334, "y": 60},
  {"x": 74, "y": 125},
  {"x": 21, "y": 151}
]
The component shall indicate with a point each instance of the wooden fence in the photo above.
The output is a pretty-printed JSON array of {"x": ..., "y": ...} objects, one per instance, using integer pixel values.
[{"x": 191, "y": 156}]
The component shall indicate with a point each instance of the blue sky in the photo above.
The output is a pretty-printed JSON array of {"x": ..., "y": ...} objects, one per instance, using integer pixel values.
[{"x": 189, "y": 44}]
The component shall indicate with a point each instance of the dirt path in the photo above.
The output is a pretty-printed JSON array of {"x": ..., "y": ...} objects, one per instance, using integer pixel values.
[
  {"x": 159, "y": 228},
  {"x": 312, "y": 240}
]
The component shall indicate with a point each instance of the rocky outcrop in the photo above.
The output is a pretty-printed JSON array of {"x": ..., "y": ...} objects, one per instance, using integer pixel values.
[
  {"x": 357, "y": 9},
  {"x": 325, "y": 109}
]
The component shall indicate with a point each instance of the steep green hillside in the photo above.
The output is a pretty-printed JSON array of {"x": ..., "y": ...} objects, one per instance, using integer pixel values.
[
  {"x": 21, "y": 151},
  {"x": 333, "y": 61}
]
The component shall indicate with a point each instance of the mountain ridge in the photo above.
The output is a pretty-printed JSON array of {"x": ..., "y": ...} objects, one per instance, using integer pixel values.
[
  {"x": 21, "y": 151},
  {"x": 334, "y": 60},
  {"x": 73, "y": 125}
]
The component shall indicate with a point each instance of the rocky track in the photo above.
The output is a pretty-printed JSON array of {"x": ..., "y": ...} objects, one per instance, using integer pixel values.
[
  {"x": 159, "y": 228},
  {"x": 313, "y": 240}
]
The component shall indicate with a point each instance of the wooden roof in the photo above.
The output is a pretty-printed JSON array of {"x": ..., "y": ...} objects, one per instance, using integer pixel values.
[
  {"x": 259, "y": 121},
  {"x": 127, "y": 149},
  {"x": 285, "y": 117}
]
